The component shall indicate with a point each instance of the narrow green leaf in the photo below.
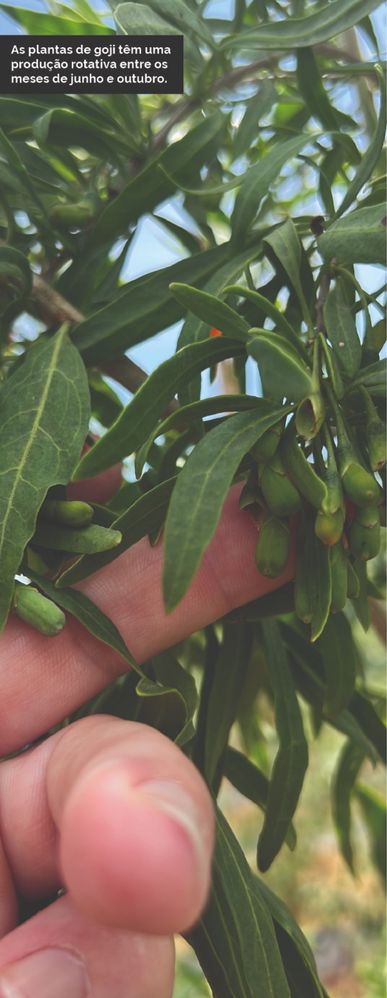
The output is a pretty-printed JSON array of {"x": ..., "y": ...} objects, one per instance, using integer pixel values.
[
  {"x": 195, "y": 329},
  {"x": 325, "y": 22},
  {"x": 92, "y": 618},
  {"x": 144, "y": 307},
  {"x": 235, "y": 940},
  {"x": 358, "y": 238},
  {"x": 140, "y": 19},
  {"x": 295, "y": 950},
  {"x": 341, "y": 329},
  {"x": 373, "y": 808},
  {"x": 312, "y": 90},
  {"x": 370, "y": 723},
  {"x": 370, "y": 158},
  {"x": 347, "y": 770},
  {"x": 271, "y": 350},
  {"x": 291, "y": 761},
  {"x": 273, "y": 313},
  {"x": 211, "y": 310},
  {"x": 16, "y": 283},
  {"x": 252, "y": 783},
  {"x": 62, "y": 127},
  {"x": 286, "y": 245},
  {"x": 188, "y": 415},
  {"x": 150, "y": 401},
  {"x": 200, "y": 492},
  {"x": 373, "y": 378},
  {"x": 151, "y": 186},
  {"x": 44, "y": 406},
  {"x": 274, "y": 604},
  {"x": 222, "y": 705},
  {"x": 338, "y": 652},
  {"x": 145, "y": 514},
  {"x": 356, "y": 723},
  {"x": 257, "y": 107},
  {"x": 256, "y": 185},
  {"x": 177, "y": 690},
  {"x": 185, "y": 17},
  {"x": 36, "y": 23}
]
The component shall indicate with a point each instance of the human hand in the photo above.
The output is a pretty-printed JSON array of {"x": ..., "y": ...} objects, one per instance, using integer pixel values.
[{"x": 111, "y": 809}]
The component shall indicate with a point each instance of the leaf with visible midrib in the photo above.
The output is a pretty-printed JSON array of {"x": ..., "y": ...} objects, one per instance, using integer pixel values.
[
  {"x": 44, "y": 412},
  {"x": 235, "y": 940},
  {"x": 324, "y": 22},
  {"x": 200, "y": 492}
]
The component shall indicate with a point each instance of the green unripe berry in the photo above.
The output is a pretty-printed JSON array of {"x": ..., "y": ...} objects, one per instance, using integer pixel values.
[
  {"x": 35, "y": 609},
  {"x": 364, "y": 533},
  {"x": 328, "y": 527},
  {"x": 272, "y": 551},
  {"x": 280, "y": 494}
]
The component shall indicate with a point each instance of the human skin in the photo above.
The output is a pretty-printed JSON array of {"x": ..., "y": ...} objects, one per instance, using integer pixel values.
[{"x": 111, "y": 810}]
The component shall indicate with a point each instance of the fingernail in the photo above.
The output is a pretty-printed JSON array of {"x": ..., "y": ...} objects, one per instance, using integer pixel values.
[
  {"x": 48, "y": 973},
  {"x": 174, "y": 801}
]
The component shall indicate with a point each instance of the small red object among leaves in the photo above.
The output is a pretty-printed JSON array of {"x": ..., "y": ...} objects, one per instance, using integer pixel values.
[{"x": 215, "y": 332}]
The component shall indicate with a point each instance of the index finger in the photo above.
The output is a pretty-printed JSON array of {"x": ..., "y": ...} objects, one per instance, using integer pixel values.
[{"x": 42, "y": 680}]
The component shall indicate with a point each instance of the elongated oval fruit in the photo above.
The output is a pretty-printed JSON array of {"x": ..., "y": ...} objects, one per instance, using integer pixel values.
[
  {"x": 90, "y": 540},
  {"x": 339, "y": 576},
  {"x": 70, "y": 512},
  {"x": 375, "y": 434},
  {"x": 376, "y": 442},
  {"x": 328, "y": 527},
  {"x": 267, "y": 444},
  {"x": 334, "y": 498},
  {"x": 35, "y": 609},
  {"x": 70, "y": 216},
  {"x": 360, "y": 485},
  {"x": 280, "y": 494},
  {"x": 364, "y": 533},
  {"x": 300, "y": 470},
  {"x": 272, "y": 550}
]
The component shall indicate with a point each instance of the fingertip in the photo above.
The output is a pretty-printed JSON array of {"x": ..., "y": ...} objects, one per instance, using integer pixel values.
[{"x": 135, "y": 857}]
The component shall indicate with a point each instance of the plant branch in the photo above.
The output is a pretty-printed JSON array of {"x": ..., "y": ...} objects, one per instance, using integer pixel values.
[{"x": 50, "y": 306}]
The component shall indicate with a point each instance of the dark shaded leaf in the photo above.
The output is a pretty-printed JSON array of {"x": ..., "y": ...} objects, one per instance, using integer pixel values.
[
  {"x": 324, "y": 22},
  {"x": 235, "y": 941},
  {"x": 251, "y": 782},
  {"x": 349, "y": 763},
  {"x": 373, "y": 809},
  {"x": 371, "y": 157},
  {"x": 338, "y": 652},
  {"x": 291, "y": 761},
  {"x": 256, "y": 184},
  {"x": 173, "y": 690}
]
